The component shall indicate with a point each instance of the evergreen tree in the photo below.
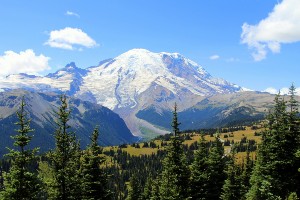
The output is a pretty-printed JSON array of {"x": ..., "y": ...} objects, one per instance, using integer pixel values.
[
  {"x": 175, "y": 124},
  {"x": 215, "y": 170},
  {"x": 246, "y": 174},
  {"x": 155, "y": 190},
  {"x": 275, "y": 174},
  {"x": 207, "y": 170},
  {"x": 94, "y": 183},
  {"x": 175, "y": 175},
  {"x": 134, "y": 190},
  {"x": 64, "y": 160},
  {"x": 232, "y": 187},
  {"x": 294, "y": 121},
  {"x": 20, "y": 183},
  {"x": 298, "y": 156},
  {"x": 199, "y": 177},
  {"x": 293, "y": 196},
  {"x": 146, "y": 195}
]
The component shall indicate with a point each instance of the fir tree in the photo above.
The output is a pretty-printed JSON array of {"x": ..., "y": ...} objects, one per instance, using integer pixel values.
[
  {"x": 94, "y": 183},
  {"x": 232, "y": 187},
  {"x": 199, "y": 177},
  {"x": 146, "y": 195},
  {"x": 275, "y": 174},
  {"x": 134, "y": 190},
  {"x": 215, "y": 170},
  {"x": 246, "y": 174},
  {"x": 155, "y": 190},
  {"x": 293, "y": 196},
  {"x": 175, "y": 124},
  {"x": 175, "y": 175},
  {"x": 20, "y": 183},
  {"x": 64, "y": 160},
  {"x": 298, "y": 156}
]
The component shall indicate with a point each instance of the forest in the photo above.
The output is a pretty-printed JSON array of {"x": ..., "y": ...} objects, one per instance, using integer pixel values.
[{"x": 176, "y": 171}]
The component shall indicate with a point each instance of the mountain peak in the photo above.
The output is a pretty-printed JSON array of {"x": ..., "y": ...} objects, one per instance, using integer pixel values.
[
  {"x": 132, "y": 81},
  {"x": 71, "y": 65},
  {"x": 70, "y": 68},
  {"x": 120, "y": 82},
  {"x": 137, "y": 51},
  {"x": 140, "y": 51}
]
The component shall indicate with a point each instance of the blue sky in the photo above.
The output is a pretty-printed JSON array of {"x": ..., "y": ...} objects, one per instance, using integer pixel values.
[{"x": 252, "y": 43}]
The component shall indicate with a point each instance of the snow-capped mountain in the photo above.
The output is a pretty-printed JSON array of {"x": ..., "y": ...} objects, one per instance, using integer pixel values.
[
  {"x": 65, "y": 80},
  {"x": 135, "y": 80},
  {"x": 118, "y": 83}
]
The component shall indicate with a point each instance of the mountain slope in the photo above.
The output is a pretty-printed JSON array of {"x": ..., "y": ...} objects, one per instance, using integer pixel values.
[
  {"x": 215, "y": 111},
  {"x": 139, "y": 79},
  {"x": 134, "y": 81},
  {"x": 118, "y": 83},
  {"x": 41, "y": 107}
]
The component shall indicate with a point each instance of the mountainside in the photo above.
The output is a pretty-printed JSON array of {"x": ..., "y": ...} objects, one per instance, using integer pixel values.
[
  {"x": 134, "y": 81},
  {"x": 215, "y": 111},
  {"x": 119, "y": 82},
  {"x": 41, "y": 107}
]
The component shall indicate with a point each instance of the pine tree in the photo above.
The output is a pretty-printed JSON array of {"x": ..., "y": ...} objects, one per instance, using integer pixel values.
[
  {"x": 20, "y": 183},
  {"x": 298, "y": 156},
  {"x": 175, "y": 124},
  {"x": 155, "y": 190},
  {"x": 215, "y": 170},
  {"x": 199, "y": 166},
  {"x": 134, "y": 190},
  {"x": 146, "y": 195},
  {"x": 64, "y": 160},
  {"x": 275, "y": 174},
  {"x": 94, "y": 183},
  {"x": 294, "y": 121},
  {"x": 175, "y": 175},
  {"x": 246, "y": 174},
  {"x": 232, "y": 187},
  {"x": 293, "y": 196}
]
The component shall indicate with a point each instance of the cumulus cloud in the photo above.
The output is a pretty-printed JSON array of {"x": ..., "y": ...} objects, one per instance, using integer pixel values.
[
  {"x": 70, "y": 13},
  {"x": 69, "y": 38},
  {"x": 281, "y": 26},
  {"x": 24, "y": 62},
  {"x": 214, "y": 57},
  {"x": 283, "y": 91}
]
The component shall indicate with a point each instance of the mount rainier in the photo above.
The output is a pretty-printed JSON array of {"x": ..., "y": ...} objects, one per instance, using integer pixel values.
[{"x": 134, "y": 81}]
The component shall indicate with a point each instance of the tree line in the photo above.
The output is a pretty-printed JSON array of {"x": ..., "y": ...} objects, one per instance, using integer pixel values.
[{"x": 202, "y": 171}]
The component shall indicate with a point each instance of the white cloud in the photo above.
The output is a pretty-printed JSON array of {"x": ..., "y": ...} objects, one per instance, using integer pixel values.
[
  {"x": 70, "y": 13},
  {"x": 23, "y": 62},
  {"x": 281, "y": 26},
  {"x": 271, "y": 90},
  {"x": 68, "y": 38},
  {"x": 214, "y": 57},
  {"x": 246, "y": 89},
  {"x": 283, "y": 91}
]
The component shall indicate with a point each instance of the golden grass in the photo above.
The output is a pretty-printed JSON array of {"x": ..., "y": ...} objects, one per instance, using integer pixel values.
[
  {"x": 236, "y": 136},
  {"x": 241, "y": 157},
  {"x": 140, "y": 151}
]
